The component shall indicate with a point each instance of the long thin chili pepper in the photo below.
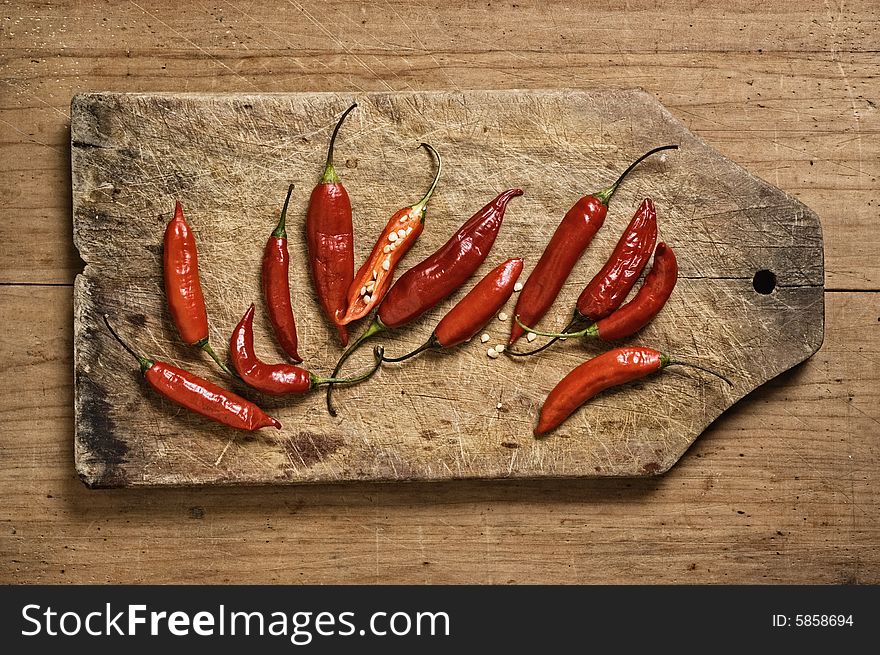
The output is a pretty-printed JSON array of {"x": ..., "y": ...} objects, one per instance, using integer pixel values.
[
  {"x": 374, "y": 278},
  {"x": 566, "y": 246},
  {"x": 278, "y": 379},
  {"x": 443, "y": 272},
  {"x": 198, "y": 395},
  {"x": 182, "y": 286},
  {"x": 609, "y": 369},
  {"x": 634, "y": 315},
  {"x": 276, "y": 285},
  {"x": 473, "y": 311},
  {"x": 330, "y": 240},
  {"x": 611, "y": 285}
]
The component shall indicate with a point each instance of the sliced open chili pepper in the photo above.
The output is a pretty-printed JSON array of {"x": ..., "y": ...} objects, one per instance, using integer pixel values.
[
  {"x": 609, "y": 369},
  {"x": 277, "y": 379},
  {"x": 474, "y": 311},
  {"x": 565, "y": 248},
  {"x": 199, "y": 395},
  {"x": 276, "y": 285},
  {"x": 634, "y": 315},
  {"x": 330, "y": 240},
  {"x": 374, "y": 278},
  {"x": 439, "y": 275},
  {"x": 183, "y": 288}
]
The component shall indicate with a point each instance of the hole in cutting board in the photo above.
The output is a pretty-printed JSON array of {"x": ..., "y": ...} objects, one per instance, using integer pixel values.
[{"x": 764, "y": 281}]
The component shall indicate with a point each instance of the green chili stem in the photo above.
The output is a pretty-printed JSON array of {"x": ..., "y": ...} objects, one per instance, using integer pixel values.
[
  {"x": 378, "y": 353},
  {"x": 430, "y": 343},
  {"x": 329, "y": 176},
  {"x": 143, "y": 361},
  {"x": 565, "y": 334},
  {"x": 281, "y": 231},
  {"x": 421, "y": 204},
  {"x": 605, "y": 195},
  {"x": 210, "y": 350},
  {"x": 375, "y": 327}
]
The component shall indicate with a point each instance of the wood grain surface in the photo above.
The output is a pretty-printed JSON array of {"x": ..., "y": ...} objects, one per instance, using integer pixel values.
[
  {"x": 783, "y": 488},
  {"x": 441, "y": 416}
]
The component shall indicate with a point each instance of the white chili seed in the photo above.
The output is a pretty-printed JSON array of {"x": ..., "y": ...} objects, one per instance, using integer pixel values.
[
  {"x": 363, "y": 291},
  {"x": 485, "y": 338},
  {"x": 503, "y": 316},
  {"x": 499, "y": 348},
  {"x": 402, "y": 233},
  {"x": 492, "y": 354},
  {"x": 386, "y": 265},
  {"x": 531, "y": 336},
  {"x": 392, "y": 237},
  {"x": 375, "y": 275},
  {"x": 408, "y": 230},
  {"x": 498, "y": 406},
  {"x": 386, "y": 249},
  {"x": 368, "y": 299},
  {"x": 518, "y": 286}
]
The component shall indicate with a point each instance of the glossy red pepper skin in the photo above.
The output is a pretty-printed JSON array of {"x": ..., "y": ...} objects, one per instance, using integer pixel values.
[
  {"x": 442, "y": 273},
  {"x": 206, "y": 398},
  {"x": 566, "y": 247},
  {"x": 611, "y": 285},
  {"x": 609, "y": 369},
  {"x": 568, "y": 243},
  {"x": 182, "y": 286},
  {"x": 330, "y": 241},
  {"x": 647, "y": 303},
  {"x": 276, "y": 286},
  {"x": 479, "y": 306},
  {"x": 275, "y": 379}
]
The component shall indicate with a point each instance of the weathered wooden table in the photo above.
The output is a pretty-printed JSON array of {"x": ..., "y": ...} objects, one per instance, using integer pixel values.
[{"x": 782, "y": 488}]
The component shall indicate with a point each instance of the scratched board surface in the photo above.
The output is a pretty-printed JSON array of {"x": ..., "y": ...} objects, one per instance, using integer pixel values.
[{"x": 460, "y": 414}]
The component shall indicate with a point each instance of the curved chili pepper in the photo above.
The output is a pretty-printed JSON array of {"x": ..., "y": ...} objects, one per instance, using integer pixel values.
[
  {"x": 634, "y": 315},
  {"x": 473, "y": 311},
  {"x": 435, "y": 278},
  {"x": 442, "y": 273},
  {"x": 374, "y": 278},
  {"x": 198, "y": 395},
  {"x": 566, "y": 246},
  {"x": 611, "y": 285},
  {"x": 276, "y": 285},
  {"x": 609, "y": 369},
  {"x": 182, "y": 286},
  {"x": 330, "y": 240},
  {"x": 276, "y": 379}
]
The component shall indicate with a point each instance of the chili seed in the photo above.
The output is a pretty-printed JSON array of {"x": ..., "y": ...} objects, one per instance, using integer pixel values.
[
  {"x": 503, "y": 316},
  {"x": 485, "y": 338},
  {"x": 531, "y": 336}
]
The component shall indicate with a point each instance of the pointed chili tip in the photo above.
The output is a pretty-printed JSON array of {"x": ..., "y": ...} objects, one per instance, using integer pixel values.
[
  {"x": 275, "y": 423},
  {"x": 178, "y": 210}
]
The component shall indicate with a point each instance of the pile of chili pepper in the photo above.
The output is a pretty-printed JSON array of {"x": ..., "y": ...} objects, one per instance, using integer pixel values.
[{"x": 345, "y": 297}]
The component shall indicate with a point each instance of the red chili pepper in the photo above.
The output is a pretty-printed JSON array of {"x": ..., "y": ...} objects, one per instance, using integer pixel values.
[
  {"x": 609, "y": 369},
  {"x": 330, "y": 240},
  {"x": 198, "y": 395},
  {"x": 429, "y": 282},
  {"x": 611, "y": 285},
  {"x": 276, "y": 379},
  {"x": 434, "y": 279},
  {"x": 473, "y": 311},
  {"x": 635, "y": 314},
  {"x": 566, "y": 246},
  {"x": 182, "y": 286},
  {"x": 276, "y": 285},
  {"x": 374, "y": 278}
]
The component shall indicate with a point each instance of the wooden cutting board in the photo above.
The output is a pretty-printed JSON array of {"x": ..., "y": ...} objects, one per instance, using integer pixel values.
[{"x": 229, "y": 159}]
